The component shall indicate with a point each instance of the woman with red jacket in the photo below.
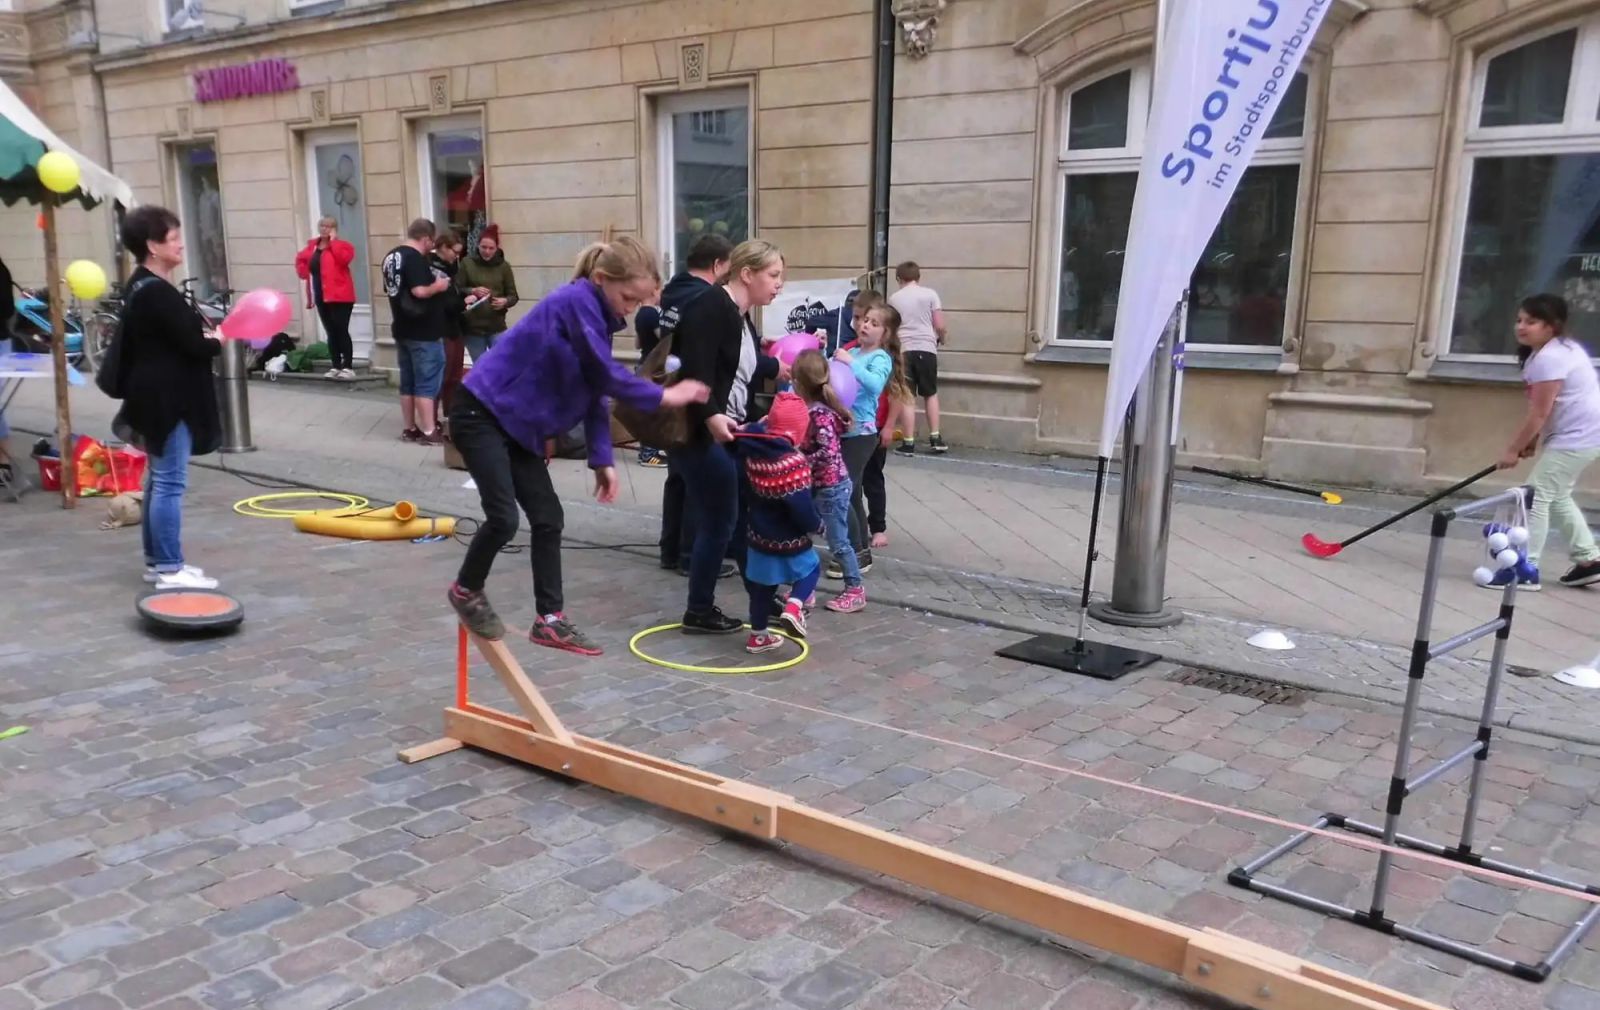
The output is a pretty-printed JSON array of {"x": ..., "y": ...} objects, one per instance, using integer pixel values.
[{"x": 324, "y": 264}]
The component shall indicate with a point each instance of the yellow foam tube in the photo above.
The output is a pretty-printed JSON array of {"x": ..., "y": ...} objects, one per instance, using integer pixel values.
[
  {"x": 374, "y": 526},
  {"x": 402, "y": 510}
]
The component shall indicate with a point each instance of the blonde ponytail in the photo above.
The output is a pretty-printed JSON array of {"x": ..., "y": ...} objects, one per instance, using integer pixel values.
[{"x": 624, "y": 258}]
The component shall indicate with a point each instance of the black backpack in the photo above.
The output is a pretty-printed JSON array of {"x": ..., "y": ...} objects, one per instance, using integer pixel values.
[{"x": 109, "y": 375}]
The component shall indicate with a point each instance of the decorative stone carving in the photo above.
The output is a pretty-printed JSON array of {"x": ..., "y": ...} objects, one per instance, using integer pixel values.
[
  {"x": 439, "y": 93},
  {"x": 692, "y": 64},
  {"x": 919, "y": 23},
  {"x": 319, "y": 105},
  {"x": 185, "y": 121}
]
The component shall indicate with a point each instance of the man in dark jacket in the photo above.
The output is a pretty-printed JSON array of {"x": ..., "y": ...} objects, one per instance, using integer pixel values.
[{"x": 707, "y": 260}]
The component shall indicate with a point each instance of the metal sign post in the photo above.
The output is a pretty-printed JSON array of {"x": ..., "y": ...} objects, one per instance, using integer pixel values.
[{"x": 1138, "y": 587}]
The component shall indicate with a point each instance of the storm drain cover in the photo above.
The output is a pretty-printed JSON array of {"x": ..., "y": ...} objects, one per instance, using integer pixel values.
[{"x": 1264, "y": 691}]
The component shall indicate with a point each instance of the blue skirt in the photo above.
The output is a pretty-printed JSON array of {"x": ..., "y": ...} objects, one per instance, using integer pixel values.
[{"x": 776, "y": 570}]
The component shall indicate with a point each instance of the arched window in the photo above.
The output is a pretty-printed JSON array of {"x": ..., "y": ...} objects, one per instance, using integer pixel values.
[
  {"x": 1529, "y": 216},
  {"x": 1241, "y": 285}
]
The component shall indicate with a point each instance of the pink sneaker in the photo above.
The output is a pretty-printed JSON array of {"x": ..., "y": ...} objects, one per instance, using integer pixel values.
[
  {"x": 794, "y": 618},
  {"x": 762, "y": 641},
  {"x": 849, "y": 601}
]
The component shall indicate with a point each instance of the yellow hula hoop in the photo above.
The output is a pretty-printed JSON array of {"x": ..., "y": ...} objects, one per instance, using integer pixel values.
[
  {"x": 253, "y": 508},
  {"x": 719, "y": 671}
]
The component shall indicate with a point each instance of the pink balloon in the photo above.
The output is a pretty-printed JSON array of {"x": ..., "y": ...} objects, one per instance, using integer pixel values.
[
  {"x": 792, "y": 345},
  {"x": 843, "y": 381},
  {"x": 258, "y": 316}
]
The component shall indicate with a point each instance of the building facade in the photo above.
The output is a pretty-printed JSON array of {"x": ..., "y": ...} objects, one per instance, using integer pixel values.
[{"x": 1350, "y": 321}]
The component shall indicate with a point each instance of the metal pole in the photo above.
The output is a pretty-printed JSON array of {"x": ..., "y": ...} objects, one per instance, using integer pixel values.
[
  {"x": 1138, "y": 588},
  {"x": 233, "y": 396}
]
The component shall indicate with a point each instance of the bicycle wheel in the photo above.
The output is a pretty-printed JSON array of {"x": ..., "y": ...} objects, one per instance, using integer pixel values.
[{"x": 97, "y": 337}]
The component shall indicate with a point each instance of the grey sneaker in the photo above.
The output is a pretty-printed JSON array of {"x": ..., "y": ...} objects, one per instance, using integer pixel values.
[{"x": 476, "y": 613}]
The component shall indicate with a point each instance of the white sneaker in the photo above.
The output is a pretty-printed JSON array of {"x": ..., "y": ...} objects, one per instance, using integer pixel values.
[
  {"x": 188, "y": 578},
  {"x": 152, "y": 576},
  {"x": 332, "y": 373}
]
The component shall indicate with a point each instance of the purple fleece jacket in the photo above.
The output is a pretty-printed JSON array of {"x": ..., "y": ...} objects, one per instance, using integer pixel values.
[{"x": 554, "y": 368}]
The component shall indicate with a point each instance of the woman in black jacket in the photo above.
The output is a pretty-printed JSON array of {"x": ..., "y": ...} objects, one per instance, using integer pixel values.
[
  {"x": 169, "y": 405},
  {"x": 717, "y": 345}
]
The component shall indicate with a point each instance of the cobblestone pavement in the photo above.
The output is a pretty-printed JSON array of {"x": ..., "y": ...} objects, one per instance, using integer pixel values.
[
  {"x": 222, "y": 824},
  {"x": 996, "y": 540}
]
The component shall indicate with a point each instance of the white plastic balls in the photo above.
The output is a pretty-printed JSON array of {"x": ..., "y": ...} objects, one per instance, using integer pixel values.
[
  {"x": 1507, "y": 558},
  {"x": 1518, "y": 535},
  {"x": 1498, "y": 542},
  {"x": 1482, "y": 576}
]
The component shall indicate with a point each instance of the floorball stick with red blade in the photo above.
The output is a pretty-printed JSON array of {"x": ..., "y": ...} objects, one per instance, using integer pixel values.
[{"x": 1322, "y": 549}]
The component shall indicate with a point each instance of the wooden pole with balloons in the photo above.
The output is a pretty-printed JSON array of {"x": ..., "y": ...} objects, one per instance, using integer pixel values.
[{"x": 59, "y": 174}]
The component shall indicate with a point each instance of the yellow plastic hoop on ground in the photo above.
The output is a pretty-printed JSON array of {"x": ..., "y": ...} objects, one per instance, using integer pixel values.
[
  {"x": 718, "y": 671},
  {"x": 253, "y": 508}
]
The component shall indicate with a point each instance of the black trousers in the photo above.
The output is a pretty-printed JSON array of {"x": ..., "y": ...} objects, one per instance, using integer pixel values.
[
  {"x": 508, "y": 475},
  {"x": 677, "y": 533},
  {"x": 876, "y": 491},
  {"x": 857, "y": 453},
  {"x": 336, "y": 321}
]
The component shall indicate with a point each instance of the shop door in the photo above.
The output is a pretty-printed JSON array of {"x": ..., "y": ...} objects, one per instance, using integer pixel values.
[{"x": 338, "y": 190}]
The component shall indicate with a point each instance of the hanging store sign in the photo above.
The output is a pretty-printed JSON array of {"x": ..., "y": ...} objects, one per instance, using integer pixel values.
[{"x": 246, "y": 80}]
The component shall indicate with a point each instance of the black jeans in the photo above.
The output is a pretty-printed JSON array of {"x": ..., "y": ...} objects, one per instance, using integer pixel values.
[
  {"x": 677, "y": 535},
  {"x": 711, "y": 484},
  {"x": 858, "y": 451},
  {"x": 336, "y": 321},
  {"x": 507, "y": 475},
  {"x": 876, "y": 491}
]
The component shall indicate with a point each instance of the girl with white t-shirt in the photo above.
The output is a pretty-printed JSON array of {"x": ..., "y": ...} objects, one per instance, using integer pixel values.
[{"x": 1564, "y": 414}]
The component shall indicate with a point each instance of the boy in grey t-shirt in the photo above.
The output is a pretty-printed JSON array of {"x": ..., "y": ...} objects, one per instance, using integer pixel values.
[{"x": 921, "y": 333}]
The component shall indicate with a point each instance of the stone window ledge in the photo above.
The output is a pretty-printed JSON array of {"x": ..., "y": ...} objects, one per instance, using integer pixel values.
[
  {"x": 1267, "y": 359},
  {"x": 1471, "y": 372}
]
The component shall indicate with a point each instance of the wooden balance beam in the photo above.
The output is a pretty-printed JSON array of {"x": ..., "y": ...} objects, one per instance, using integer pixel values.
[{"x": 1240, "y": 970}]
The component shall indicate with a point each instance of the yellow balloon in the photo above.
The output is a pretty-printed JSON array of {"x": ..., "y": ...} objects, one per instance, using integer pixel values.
[
  {"x": 86, "y": 279},
  {"x": 58, "y": 172}
]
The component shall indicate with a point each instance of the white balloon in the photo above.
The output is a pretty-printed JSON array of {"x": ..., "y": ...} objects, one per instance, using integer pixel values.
[
  {"x": 1498, "y": 542},
  {"x": 1518, "y": 535},
  {"x": 1507, "y": 558},
  {"x": 1482, "y": 576}
]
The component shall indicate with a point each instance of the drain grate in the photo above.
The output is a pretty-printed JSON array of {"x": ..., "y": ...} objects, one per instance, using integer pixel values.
[{"x": 1264, "y": 691}]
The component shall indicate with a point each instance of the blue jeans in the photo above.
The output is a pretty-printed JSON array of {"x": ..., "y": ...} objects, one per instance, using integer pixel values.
[
  {"x": 711, "y": 485},
  {"x": 833, "y": 504},
  {"x": 166, "y": 478},
  {"x": 478, "y": 345},
  {"x": 421, "y": 367}
]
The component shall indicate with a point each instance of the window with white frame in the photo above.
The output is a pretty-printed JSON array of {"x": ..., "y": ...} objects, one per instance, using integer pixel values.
[
  {"x": 704, "y": 168},
  {"x": 455, "y": 186},
  {"x": 1529, "y": 216},
  {"x": 1239, "y": 290}
]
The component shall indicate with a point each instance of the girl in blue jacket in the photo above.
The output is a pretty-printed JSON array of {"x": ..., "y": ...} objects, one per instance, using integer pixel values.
[{"x": 552, "y": 370}]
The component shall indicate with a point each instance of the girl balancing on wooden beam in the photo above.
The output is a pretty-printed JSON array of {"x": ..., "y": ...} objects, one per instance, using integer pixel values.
[{"x": 552, "y": 370}]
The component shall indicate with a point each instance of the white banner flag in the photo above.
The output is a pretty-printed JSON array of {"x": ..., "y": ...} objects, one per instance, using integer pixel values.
[{"x": 1224, "y": 67}]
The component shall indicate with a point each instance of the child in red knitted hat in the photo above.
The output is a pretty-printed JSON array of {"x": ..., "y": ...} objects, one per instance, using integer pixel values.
[{"x": 782, "y": 520}]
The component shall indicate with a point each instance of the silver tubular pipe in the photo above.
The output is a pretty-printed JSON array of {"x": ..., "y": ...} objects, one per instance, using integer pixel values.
[
  {"x": 1574, "y": 937},
  {"x": 1457, "y": 948},
  {"x": 1510, "y": 494},
  {"x": 1443, "y": 766},
  {"x": 1304, "y": 900},
  {"x": 1284, "y": 848},
  {"x": 1465, "y": 638}
]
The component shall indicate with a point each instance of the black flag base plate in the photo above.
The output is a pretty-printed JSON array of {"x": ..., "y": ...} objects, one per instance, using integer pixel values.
[{"x": 1099, "y": 660}]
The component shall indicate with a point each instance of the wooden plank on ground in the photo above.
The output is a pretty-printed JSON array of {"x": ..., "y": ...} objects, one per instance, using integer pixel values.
[
  {"x": 707, "y": 801},
  {"x": 534, "y": 707},
  {"x": 431, "y": 749}
]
